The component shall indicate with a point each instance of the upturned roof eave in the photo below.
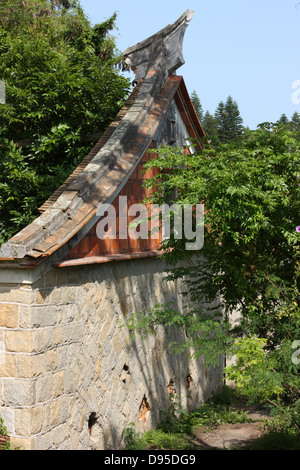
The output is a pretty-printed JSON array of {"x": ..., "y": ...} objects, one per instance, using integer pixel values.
[{"x": 66, "y": 220}]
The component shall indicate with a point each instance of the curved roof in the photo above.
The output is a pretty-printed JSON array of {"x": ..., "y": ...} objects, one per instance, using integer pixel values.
[{"x": 71, "y": 211}]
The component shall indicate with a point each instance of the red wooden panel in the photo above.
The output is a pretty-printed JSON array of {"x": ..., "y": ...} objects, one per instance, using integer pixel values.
[{"x": 91, "y": 245}]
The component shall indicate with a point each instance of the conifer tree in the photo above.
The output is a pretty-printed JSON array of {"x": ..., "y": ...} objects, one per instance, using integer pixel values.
[
  {"x": 283, "y": 119},
  {"x": 296, "y": 118},
  {"x": 210, "y": 128},
  {"x": 229, "y": 120},
  {"x": 197, "y": 105},
  {"x": 221, "y": 121},
  {"x": 294, "y": 124}
]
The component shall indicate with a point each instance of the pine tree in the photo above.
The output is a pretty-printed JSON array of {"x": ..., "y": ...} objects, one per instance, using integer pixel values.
[
  {"x": 296, "y": 118},
  {"x": 235, "y": 120},
  {"x": 61, "y": 3},
  {"x": 294, "y": 124},
  {"x": 229, "y": 120},
  {"x": 197, "y": 105},
  {"x": 283, "y": 119},
  {"x": 221, "y": 121},
  {"x": 210, "y": 128}
]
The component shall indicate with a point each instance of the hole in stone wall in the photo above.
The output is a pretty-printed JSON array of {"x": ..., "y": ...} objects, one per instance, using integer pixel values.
[
  {"x": 188, "y": 381},
  {"x": 125, "y": 372},
  {"x": 91, "y": 421},
  {"x": 144, "y": 409},
  {"x": 171, "y": 387}
]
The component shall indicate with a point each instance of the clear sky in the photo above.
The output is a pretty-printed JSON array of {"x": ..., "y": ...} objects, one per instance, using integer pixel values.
[{"x": 249, "y": 49}]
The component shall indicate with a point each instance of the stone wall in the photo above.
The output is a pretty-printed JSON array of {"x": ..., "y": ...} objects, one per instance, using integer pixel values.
[{"x": 70, "y": 375}]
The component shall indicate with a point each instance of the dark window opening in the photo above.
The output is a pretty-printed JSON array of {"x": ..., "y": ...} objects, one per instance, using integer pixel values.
[{"x": 91, "y": 421}]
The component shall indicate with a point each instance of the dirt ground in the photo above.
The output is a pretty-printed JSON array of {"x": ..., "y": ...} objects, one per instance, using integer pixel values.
[{"x": 233, "y": 436}]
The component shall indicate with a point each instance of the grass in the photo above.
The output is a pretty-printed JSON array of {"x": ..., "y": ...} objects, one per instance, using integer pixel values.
[
  {"x": 277, "y": 440},
  {"x": 177, "y": 430}
]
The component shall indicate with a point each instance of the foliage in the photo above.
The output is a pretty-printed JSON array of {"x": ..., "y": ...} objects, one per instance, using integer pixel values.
[
  {"x": 204, "y": 334},
  {"x": 249, "y": 263},
  {"x": 254, "y": 371},
  {"x": 197, "y": 105},
  {"x": 214, "y": 412},
  {"x": 277, "y": 440},
  {"x": 62, "y": 83},
  {"x": 177, "y": 430},
  {"x": 210, "y": 127},
  {"x": 224, "y": 407},
  {"x": 222, "y": 126},
  {"x": 3, "y": 432},
  {"x": 133, "y": 440},
  {"x": 229, "y": 121},
  {"x": 294, "y": 125}
]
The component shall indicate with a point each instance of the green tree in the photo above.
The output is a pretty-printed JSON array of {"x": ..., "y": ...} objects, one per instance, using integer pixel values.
[
  {"x": 210, "y": 128},
  {"x": 294, "y": 124},
  {"x": 61, "y": 3},
  {"x": 62, "y": 83},
  {"x": 283, "y": 119},
  {"x": 295, "y": 120},
  {"x": 222, "y": 121},
  {"x": 197, "y": 105},
  {"x": 235, "y": 119},
  {"x": 229, "y": 120},
  {"x": 249, "y": 261}
]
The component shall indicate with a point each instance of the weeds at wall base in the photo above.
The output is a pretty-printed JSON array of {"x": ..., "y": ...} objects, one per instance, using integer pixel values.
[{"x": 178, "y": 433}]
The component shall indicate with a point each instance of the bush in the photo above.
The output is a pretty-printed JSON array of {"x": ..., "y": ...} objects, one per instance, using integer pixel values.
[
  {"x": 3, "y": 432},
  {"x": 62, "y": 83}
]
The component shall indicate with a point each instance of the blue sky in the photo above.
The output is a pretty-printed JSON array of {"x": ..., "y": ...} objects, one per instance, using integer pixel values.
[{"x": 247, "y": 49}]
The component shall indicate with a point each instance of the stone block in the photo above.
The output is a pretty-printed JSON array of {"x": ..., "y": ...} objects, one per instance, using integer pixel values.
[
  {"x": 56, "y": 296},
  {"x": 126, "y": 410},
  {"x": 9, "y": 316},
  {"x": 61, "y": 434},
  {"x": 18, "y": 392},
  {"x": 55, "y": 413},
  {"x": 23, "y": 296},
  {"x": 64, "y": 411},
  {"x": 69, "y": 294},
  {"x": 7, "y": 365},
  {"x": 58, "y": 384},
  {"x": 20, "y": 341},
  {"x": 28, "y": 421},
  {"x": 51, "y": 360},
  {"x": 57, "y": 335},
  {"x": 44, "y": 387},
  {"x": 44, "y": 441},
  {"x": 25, "y": 320},
  {"x": 23, "y": 444},
  {"x": 44, "y": 339},
  {"x": 30, "y": 366},
  {"x": 42, "y": 296}
]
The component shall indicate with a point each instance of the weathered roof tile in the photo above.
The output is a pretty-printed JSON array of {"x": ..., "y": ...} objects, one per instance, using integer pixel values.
[{"x": 108, "y": 165}]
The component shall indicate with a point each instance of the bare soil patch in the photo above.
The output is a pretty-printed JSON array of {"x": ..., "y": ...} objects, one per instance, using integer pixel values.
[{"x": 233, "y": 436}]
